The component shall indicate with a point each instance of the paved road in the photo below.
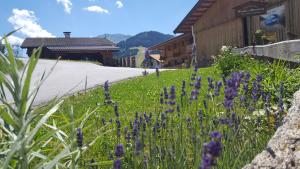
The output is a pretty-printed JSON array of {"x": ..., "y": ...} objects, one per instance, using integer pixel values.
[{"x": 69, "y": 77}]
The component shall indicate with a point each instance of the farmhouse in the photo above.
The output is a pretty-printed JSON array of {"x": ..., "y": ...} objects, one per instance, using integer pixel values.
[
  {"x": 240, "y": 23},
  {"x": 176, "y": 51},
  {"x": 94, "y": 49}
]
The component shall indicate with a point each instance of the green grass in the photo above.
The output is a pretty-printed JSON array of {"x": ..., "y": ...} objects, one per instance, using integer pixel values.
[
  {"x": 140, "y": 95},
  {"x": 136, "y": 95}
]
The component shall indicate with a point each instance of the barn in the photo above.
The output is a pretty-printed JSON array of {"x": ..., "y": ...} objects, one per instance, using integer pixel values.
[
  {"x": 216, "y": 23},
  {"x": 69, "y": 48}
]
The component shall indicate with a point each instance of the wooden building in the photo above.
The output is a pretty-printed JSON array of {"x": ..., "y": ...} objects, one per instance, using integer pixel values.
[
  {"x": 94, "y": 49},
  {"x": 216, "y": 23},
  {"x": 176, "y": 51}
]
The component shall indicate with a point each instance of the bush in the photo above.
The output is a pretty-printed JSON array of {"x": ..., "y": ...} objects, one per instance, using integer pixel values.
[{"x": 274, "y": 74}]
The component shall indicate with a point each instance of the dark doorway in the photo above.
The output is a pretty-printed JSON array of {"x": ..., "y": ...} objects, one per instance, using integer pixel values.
[{"x": 245, "y": 31}]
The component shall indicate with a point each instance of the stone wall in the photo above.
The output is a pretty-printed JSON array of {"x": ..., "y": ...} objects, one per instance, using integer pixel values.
[
  {"x": 286, "y": 50},
  {"x": 283, "y": 150}
]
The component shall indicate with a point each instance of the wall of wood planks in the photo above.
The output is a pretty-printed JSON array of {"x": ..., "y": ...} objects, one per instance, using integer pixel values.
[{"x": 219, "y": 26}]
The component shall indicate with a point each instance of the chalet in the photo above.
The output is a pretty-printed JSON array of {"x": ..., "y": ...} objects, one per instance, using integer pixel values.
[
  {"x": 176, "y": 51},
  {"x": 216, "y": 23},
  {"x": 94, "y": 49}
]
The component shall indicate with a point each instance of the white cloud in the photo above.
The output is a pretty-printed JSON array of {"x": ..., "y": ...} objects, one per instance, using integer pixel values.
[
  {"x": 67, "y": 5},
  {"x": 97, "y": 9},
  {"x": 14, "y": 40},
  {"x": 27, "y": 20},
  {"x": 119, "y": 4}
]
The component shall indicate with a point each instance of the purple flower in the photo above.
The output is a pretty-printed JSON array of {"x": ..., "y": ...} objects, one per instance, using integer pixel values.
[
  {"x": 119, "y": 150},
  {"x": 161, "y": 99},
  {"x": 166, "y": 95},
  {"x": 79, "y": 137},
  {"x": 218, "y": 86},
  {"x": 211, "y": 151},
  {"x": 205, "y": 104},
  {"x": 103, "y": 121},
  {"x": 138, "y": 147},
  {"x": 116, "y": 109},
  {"x": 183, "y": 88},
  {"x": 117, "y": 164},
  {"x": 145, "y": 73},
  {"x": 210, "y": 83},
  {"x": 216, "y": 135},
  {"x": 157, "y": 71},
  {"x": 107, "y": 98}
]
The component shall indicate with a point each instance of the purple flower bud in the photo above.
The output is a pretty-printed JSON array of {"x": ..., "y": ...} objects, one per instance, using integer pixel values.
[
  {"x": 117, "y": 164},
  {"x": 79, "y": 138},
  {"x": 119, "y": 150}
]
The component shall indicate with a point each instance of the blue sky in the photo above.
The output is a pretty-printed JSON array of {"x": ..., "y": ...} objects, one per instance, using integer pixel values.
[{"x": 87, "y": 18}]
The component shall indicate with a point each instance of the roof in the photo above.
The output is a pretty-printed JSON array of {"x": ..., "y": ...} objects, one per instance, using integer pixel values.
[
  {"x": 80, "y": 48},
  {"x": 191, "y": 18},
  {"x": 65, "y": 42},
  {"x": 156, "y": 57},
  {"x": 169, "y": 41}
]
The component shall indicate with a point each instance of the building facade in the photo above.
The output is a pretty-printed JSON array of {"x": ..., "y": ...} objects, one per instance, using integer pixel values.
[
  {"x": 218, "y": 23},
  {"x": 68, "y": 48},
  {"x": 176, "y": 51}
]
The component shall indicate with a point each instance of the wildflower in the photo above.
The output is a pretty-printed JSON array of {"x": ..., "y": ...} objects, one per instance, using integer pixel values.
[
  {"x": 161, "y": 99},
  {"x": 172, "y": 96},
  {"x": 166, "y": 95},
  {"x": 205, "y": 104},
  {"x": 145, "y": 73},
  {"x": 103, "y": 121},
  {"x": 116, "y": 109},
  {"x": 157, "y": 71},
  {"x": 119, "y": 150},
  {"x": 138, "y": 147},
  {"x": 117, "y": 164},
  {"x": 183, "y": 88},
  {"x": 218, "y": 86},
  {"x": 212, "y": 151},
  {"x": 118, "y": 128},
  {"x": 210, "y": 83},
  {"x": 107, "y": 98},
  {"x": 79, "y": 137},
  {"x": 280, "y": 102}
]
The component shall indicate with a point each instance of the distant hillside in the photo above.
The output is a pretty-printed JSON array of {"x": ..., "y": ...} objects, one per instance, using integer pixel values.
[
  {"x": 144, "y": 39},
  {"x": 116, "y": 38}
]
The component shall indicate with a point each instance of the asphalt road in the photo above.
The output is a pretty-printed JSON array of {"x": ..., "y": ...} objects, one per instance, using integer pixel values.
[{"x": 69, "y": 77}]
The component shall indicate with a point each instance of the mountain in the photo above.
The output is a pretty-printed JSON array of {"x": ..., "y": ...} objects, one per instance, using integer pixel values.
[
  {"x": 116, "y": 38},
  {"x": 144, "y": 39}
]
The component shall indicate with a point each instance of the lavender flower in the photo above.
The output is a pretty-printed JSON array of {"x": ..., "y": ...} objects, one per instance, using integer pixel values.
[
  {"x": 210, "y": 83},
  {"x": 205, "y": 104},
  {"x": 218, "y": 86},
  {"x": 138, "y": 147},
  {"x": 172, "y": 96},
  {"x": 157, "y": 72},
  {"x": 103, "y": 121},
  {"x": 79, "y": 138},
  {"x": 117, "y": 164},
  {"x": 145, "y": 73},
  {"x": 161, "y": 99},
  {"x": 107, "y": 98},
  {"x": 211, "y": 151},
  {"x": 119, "y": 151},
  {"x": 183, "y": 88},
  {"x": 116, "y": 109}
]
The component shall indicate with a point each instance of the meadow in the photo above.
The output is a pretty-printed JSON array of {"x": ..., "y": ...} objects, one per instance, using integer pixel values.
[{"x": 190, "y": 118}]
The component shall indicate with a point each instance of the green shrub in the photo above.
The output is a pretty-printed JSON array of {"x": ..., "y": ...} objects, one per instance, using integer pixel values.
[
  {"x": 274, "y": 73},
  {"x": 228, "y": 62}
]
